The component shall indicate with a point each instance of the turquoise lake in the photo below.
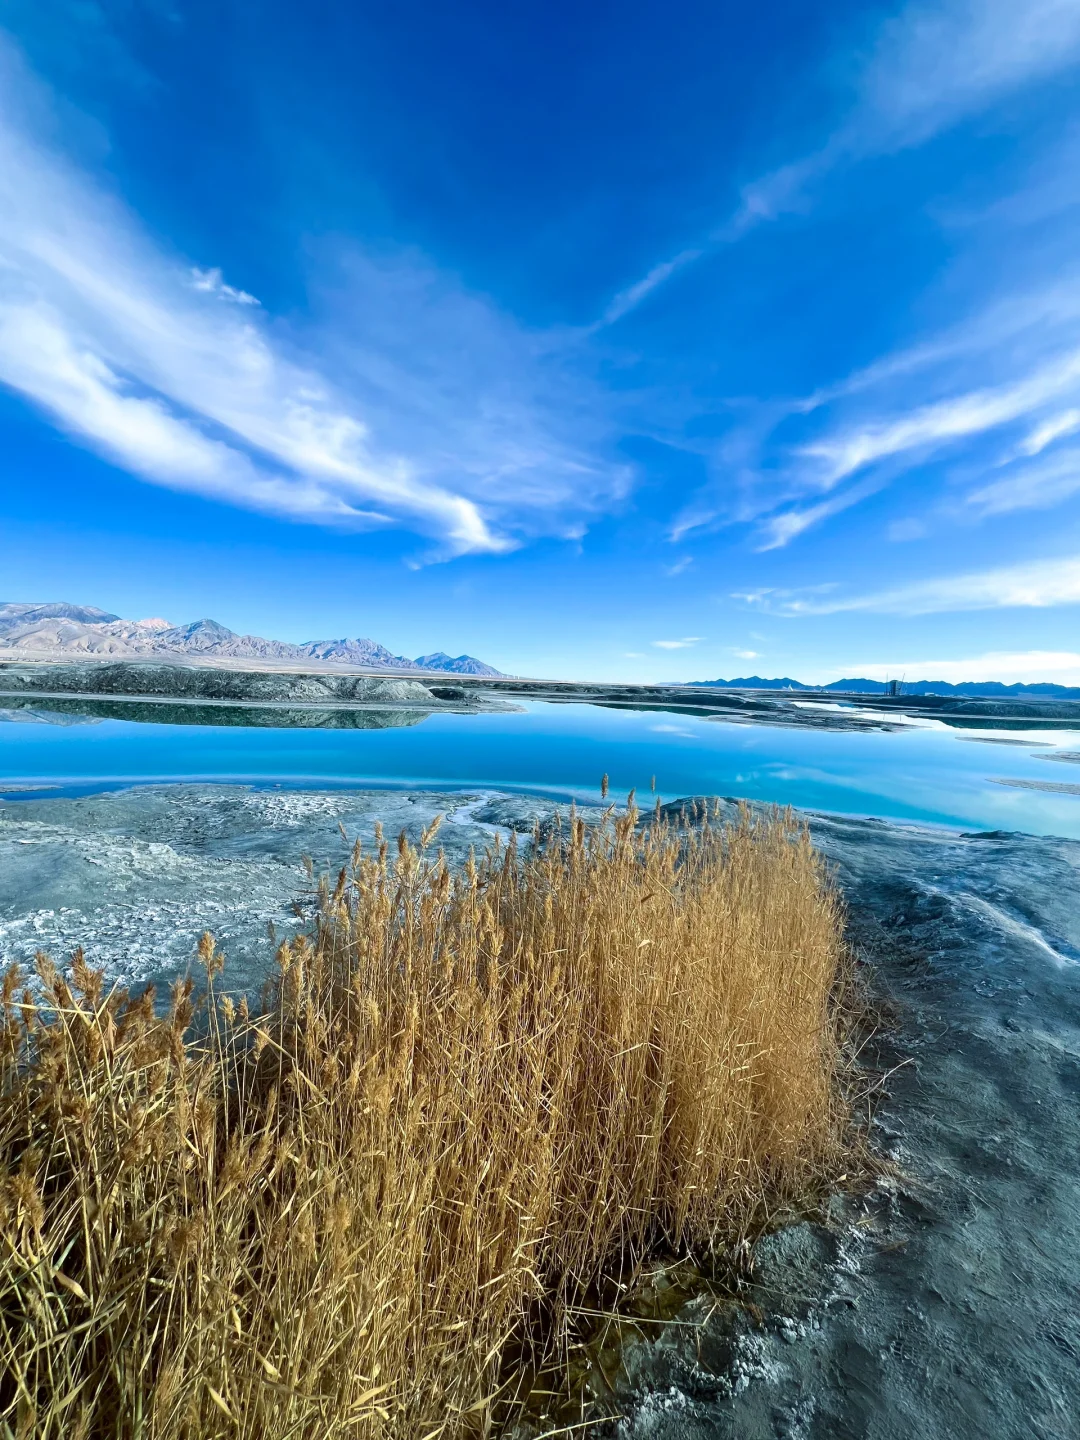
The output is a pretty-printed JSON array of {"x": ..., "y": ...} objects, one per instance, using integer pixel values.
[{"x": 926, "y": 773}]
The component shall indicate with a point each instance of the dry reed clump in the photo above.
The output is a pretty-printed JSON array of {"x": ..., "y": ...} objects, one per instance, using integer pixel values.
[{"x": 471, "y": 1096}]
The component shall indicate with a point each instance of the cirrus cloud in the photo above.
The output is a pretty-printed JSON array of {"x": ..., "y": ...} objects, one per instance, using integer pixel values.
[
  {"x": 1036, "y": 585},
  {"x": 129, "y": 350},
  {"x": 929, "y": 67}
]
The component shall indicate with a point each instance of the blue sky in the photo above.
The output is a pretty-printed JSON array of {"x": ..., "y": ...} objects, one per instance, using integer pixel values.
[{"x": 629, "y": 341}]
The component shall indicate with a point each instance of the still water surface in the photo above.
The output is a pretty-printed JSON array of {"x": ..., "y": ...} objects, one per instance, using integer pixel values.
[{"x": 926, "y": 773}]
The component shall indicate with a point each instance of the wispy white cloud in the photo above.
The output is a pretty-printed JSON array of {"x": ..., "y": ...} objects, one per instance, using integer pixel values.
[
  {"x": 1009, "y": 666},
  {"x": 1049, "y": 430},
  {"x": 1018, "y": 321},
  {"x": 930, "y": 67},
  {"x": 139, "y": 431},
  {"x": 999, "y": 387},
  {"x": 1037, "y": 486},
  {"x": 911, "y": 527},
  {"x": 1036, "y": 585},
  {"x": 936, "y": 63},
  {"x": 682, "y": 644},
  {"x": 930, "y": 427},
  {"x": 630, "y": 298},
  {"x": 210, "y": 282},
  {"x": 776, "y": 531},
  {"x": 129, "y": 350}
]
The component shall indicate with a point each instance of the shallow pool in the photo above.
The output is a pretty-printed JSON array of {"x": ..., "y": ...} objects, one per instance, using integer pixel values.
[{"x": 927, "y": 772}]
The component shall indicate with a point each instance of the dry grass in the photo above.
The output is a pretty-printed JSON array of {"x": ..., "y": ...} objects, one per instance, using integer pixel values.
[{"x": 471, "y": 1096}]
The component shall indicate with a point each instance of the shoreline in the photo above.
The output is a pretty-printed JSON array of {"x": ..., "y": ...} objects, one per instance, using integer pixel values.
[{"x": 266, "y": 685}]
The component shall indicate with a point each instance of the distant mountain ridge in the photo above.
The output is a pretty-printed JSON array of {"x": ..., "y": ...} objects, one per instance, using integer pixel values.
[
  {"x": 57, "y": 628},
  {"x": 908, "y": 687}
]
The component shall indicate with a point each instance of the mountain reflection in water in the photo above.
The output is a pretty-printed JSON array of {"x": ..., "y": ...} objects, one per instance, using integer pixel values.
[{"x": 34, "y": 710}]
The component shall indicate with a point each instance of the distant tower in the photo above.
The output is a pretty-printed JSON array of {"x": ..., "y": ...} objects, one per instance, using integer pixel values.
[{"x": 892, "y": 687}]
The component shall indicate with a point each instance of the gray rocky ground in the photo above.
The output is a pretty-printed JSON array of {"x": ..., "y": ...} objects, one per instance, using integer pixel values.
[
  {"x": 943, "y": 1301},
  {"x": 940, "y": 1302},
  {"x": 136, "y": 875}
]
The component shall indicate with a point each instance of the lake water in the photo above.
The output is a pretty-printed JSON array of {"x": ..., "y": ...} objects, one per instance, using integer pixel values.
[{"x": 927, "y": 773}]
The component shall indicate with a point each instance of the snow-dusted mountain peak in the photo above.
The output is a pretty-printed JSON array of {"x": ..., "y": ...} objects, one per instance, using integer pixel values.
[{"x": 58, "y": 630}]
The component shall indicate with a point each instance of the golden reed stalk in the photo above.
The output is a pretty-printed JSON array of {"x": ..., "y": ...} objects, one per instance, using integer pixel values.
[{"x": 471, "y": 1097}]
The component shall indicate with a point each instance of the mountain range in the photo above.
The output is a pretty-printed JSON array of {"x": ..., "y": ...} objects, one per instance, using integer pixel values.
[
  {"x": 82, "y": 630},
  {"x": 908, "y": 687}
]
